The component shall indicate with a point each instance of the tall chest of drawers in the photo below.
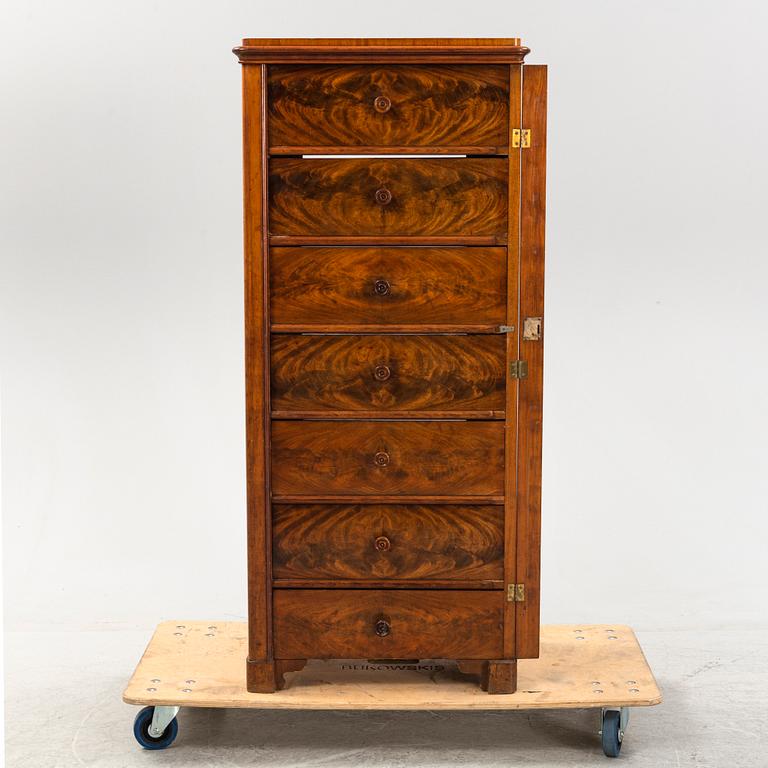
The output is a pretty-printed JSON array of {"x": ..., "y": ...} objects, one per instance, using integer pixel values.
[{"x": 394, "y": 258}]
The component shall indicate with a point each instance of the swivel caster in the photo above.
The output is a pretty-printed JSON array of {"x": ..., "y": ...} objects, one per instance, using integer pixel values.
[
  {"x": 156, "y": 727},
  {"x": 614, "y": 725}
]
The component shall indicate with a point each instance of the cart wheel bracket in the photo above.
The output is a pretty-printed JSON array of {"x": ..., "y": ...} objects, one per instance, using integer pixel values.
[{"x": 161, "y": 719}]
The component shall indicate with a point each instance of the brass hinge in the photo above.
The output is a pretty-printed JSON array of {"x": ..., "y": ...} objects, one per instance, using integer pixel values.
[
  {"x": 518, "y": 369},
  {"x": 515, "y": 593},
  {"x": 521, "y": 137}
]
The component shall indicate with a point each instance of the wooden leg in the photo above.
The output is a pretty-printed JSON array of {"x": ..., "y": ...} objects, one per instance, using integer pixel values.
[
  {"x": 269, "y": 676},
  {"x": 500, "y": 677},
  {"x": 495, "y": 676}
]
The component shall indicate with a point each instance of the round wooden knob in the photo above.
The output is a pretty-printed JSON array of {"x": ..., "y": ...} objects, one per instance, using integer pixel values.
[
  {"x": 382, "y": 288},
  {"x": 382, "y": 627},
  {"x": 381, "y": 459},
  {"x": 381, "y": 372},
  {"x": 383, "y": 196},
  {"x": 382, "y": 544},
  {"x": 382, "y": 104}
]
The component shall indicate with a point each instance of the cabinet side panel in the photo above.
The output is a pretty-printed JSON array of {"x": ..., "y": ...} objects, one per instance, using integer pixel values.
[
  {"x": 513, "y": 317},
  {"x": 256, "y": 396},
  {"x": 533, "y": 178}
]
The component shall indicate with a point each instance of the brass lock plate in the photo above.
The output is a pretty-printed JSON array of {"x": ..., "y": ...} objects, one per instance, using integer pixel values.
[{"x": 532, "y": 329}]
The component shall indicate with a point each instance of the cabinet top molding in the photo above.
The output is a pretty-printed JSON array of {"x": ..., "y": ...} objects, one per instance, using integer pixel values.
[{"x": 506, "y": 50}]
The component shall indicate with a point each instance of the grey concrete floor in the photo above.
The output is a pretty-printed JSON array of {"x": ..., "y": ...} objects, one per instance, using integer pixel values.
[{"x": 63, "y": 708}]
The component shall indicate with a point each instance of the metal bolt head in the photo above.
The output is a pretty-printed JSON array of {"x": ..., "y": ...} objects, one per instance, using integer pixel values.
[
  {"x": 155, "y": 680},
  {"x": 151, "y": 690},
  {"x": 186, "y": 690},
  {"x": 189, "y": 682}
]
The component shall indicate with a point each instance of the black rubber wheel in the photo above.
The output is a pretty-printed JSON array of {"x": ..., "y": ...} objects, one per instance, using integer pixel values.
[
  {"x": 612, "y": 733},
  {"x": 141, "y": 731}
]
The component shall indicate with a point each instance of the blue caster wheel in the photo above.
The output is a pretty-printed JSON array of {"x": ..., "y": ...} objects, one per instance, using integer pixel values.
[
  {"x": 612, "y": 733},
  {"x": 141, "y": 730}
]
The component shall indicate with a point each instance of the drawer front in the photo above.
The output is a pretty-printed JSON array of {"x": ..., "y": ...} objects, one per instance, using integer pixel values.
[
  {"x": 392, "y": 197},
  {"x": 380, "y": 374},
  {"x": 388, "y": 286},
  {"x": 386, "y": 624},
  {"x": 388, "y": 105},
  {"x": 388, "y": 541},
  {"x": 338, "y": 458}
]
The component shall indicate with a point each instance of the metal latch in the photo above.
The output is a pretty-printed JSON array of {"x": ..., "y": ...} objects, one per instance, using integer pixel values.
[
  {"x": 505, "y": 329},
  {"x": 518, "y": 369},
  {"x": 532, "y": 329},
  {"x": 515, "y": 593},
  {"x": 521, "y": 137}
]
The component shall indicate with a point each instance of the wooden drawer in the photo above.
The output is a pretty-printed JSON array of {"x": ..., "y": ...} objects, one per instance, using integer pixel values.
[
  {"x": 338, "y": 458},
  {"x": 386, "y": 624},
  {"x": 315, "y": 286},
  {"x": 370, "y": 375},
  {"x": 392, "y": 542},
  {"x": 389, "y": 105},
  {"x": 450, "y": 197}
]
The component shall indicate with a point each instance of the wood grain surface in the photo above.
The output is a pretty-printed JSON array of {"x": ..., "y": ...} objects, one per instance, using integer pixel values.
[
  {"x": 387, "y": 541},
  {"x": 426, "y": 197},
  {"x": 382, "y": 50},
  {"x": 313, "y": 286},
  {"x": 388, "y": 105},
  {"x": 337, "y": 623},
  {"x": 256, "y": 279},
  {"x": 513, "y": 354},
  {"x": 378, "y": 374},
  {"x": 533, "y": 179},
  {"x": 573, "y": 656},
  {"x": 387, "y": 458}
]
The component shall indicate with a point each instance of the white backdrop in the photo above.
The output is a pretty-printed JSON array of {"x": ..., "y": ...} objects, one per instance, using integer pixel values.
[{"x": 121, "y": 303}]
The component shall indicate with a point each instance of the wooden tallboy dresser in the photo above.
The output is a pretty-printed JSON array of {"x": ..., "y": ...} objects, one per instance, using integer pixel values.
[{"x": 394, "y": 265}]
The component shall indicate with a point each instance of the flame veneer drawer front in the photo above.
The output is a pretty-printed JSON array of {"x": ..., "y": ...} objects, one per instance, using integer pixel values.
[
  {"x": 377, "y": 375},
  {"x": 312, "y": 287},
  {"x": 387, "y": 458},
  {"x": 387, "y": 624},
  {"x": 390, "y": 105},
  {"x": 393, "y": 197},
  {"x": 392, "y": 542}
]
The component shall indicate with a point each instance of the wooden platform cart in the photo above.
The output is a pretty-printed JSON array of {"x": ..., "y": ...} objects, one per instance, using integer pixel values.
[{"x": 200, "y": 664}]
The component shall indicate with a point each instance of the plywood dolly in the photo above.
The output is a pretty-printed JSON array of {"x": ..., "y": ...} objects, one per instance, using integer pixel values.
[{"x": 202, "y": 664}]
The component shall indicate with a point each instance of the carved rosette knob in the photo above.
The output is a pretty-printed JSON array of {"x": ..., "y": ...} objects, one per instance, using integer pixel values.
[
  {"x": 382, "y": 544},
  {"x": 381, "y": 459},
  {"x": 382, "y": 104},
  {"x": 381, "y": 372},
  {"x": 383, "y": 196},
  {"x": 382, "y": 288}
]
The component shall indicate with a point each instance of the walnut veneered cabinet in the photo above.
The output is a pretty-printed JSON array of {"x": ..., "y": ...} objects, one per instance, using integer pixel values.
[{"x": 394, "y": 289}]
